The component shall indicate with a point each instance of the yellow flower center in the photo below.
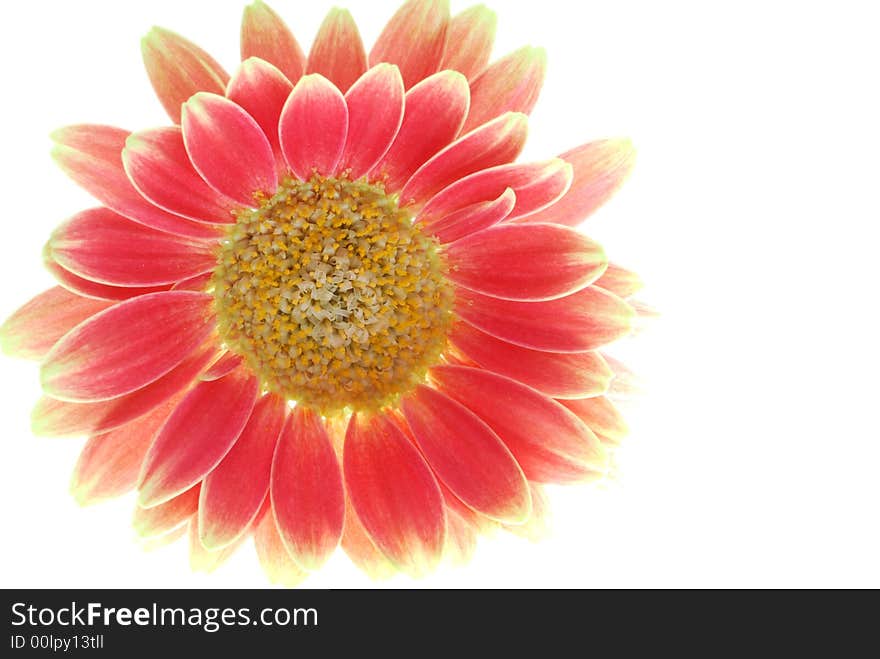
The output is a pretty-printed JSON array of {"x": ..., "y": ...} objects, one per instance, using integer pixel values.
[{"x": 335, "y": 299}]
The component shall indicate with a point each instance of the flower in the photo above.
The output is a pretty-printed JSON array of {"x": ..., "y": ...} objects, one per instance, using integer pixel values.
[{"x": 327, "y": 305}]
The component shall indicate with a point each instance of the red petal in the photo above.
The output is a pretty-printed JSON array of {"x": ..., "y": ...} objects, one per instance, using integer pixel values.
[
  {"x": 233, "y": 492},
  {"x": 262, "y": 90},
  {"x": 559, "y": 375},
  {"x": 537, "y": 185},
  {"x": 157, "y": 163},
  {"x": 55, "y": 418},
  {"x": 92, "y": 157},
  {"x": 265, "y": 35},
  {"x": 467, "y": 456},
  {"x": 228, "y": 148},
  {"x": 497, "y": 143},
  {"x": 127, "y": 346},
  {"x": 584, "y": 321},
  {"x": 550, "y": 443},
  {"x": 197, "y": 436},
  {"x": 414, "y": 39},
  {"x": 375, "y": 113},
  {"x": 600, "y": 168},
  {"x": 338, "y": 52},
  {"x": 473, "y": 34},
  {"x": 601, "y": 416},
  {"x": 435, "y": 112},
  {"x": 307, "y": 491},
  {"x": 104, "y": 247},
  {"x": 512, "y": 84},
  {"x": 274, "y": 559},
  {"x": 152, "y": 522},
  {"x": 33, "y": 329},
  {"x": 109, "y": 464},
  {"x": 621, "y": 282},
  {"x": 178, "y": 69},
  {"x": 394, "y": 494},
  {"x": 470, "y": 219},
  {"x": 526, "y": 262},
  {"x": 313, "y": 128}
]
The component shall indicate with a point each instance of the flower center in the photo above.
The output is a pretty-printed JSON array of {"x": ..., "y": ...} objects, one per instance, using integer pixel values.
[{"x": 335, "y": 299}]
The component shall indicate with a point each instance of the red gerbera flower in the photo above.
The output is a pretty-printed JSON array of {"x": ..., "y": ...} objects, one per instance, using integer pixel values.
[{"x": 327, "y": 304}]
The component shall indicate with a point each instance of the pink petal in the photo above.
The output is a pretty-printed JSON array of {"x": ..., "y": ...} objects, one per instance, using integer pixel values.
[
  {"x": 178, "y": 69},
  {"x": 158, "y": 520},
  {"x": 228, "y": 148},
  {"x": 109, "y": 464},
  {"x": 550, "y": 443},
  {"x": 461, "y": 539},
  {"x": 34, "y": 328},
  {"x": 600, "y": 168},
  {"x": 202, "y": 559},
  {"x": 92, "y": 157},
  {"x": 626, "y": 384},
  {"x": 94, "y": 290},
  {"x": 467, "y": 456},
  {"x": 559, "y": 375},
  {"x": 233, "y": 492},
  {"x": 361, "y": 550},
  {"x": 355, "y": 542},
  {"x": 435, "y": 112},
  {"x": 472, "y": 33},
  {"x": 394, "y": 494},
  {"x": 512, "y": 84},
  {"x": 262, "y": 90},
  {"x": 601, "y": 416},
  {"x": 56, "y": 418},
  {"x": 375, "y": 113},
  {"x": 274, "y": 559},
  {"x": 198, "y": 283},
  {"x": 471, "y": 517},
  {"x": 306, "y": 490},
  {"x": 497, "y": 143},
  {"x": 414, "y": 39},
  {"x": 224, "y": 366},
  {"x": 537, "y": 185},
  {"x": 525, "y": 262},
  {"x": 107, "y": 248},
  {"x": 621, "y": 282},
  {"x": 583, "y": 321},
  {"x": 470, "y": 219},
  {"x": 157, "y": 164},
  {"x": 197, "y": 436},
  {"x": 152, "y": 544},
  {"x": 314, "y": 127},
  {"x": 128, "y": 346},
  {"x": 265, "y": 35},
  {"x": 338, "y": 52},
  {"x": 538, "y": 525}
]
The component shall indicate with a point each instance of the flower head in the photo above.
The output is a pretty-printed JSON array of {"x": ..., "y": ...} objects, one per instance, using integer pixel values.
[{"x": 327, "y": 305}]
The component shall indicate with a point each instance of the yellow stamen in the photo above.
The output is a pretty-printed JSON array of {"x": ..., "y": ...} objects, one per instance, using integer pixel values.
[{"x": 333, "y": 296}]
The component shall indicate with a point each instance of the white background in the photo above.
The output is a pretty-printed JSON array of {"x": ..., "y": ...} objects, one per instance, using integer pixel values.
[{"x": 753, "y": 215}]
